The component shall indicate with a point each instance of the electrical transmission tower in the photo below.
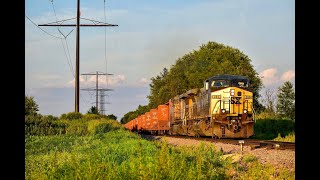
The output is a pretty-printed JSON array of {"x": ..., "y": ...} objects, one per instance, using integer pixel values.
[
  {"x": 102, "y": 90},
  {"x": 102, "y": 102},
  {"x": 96, "y": 24}
]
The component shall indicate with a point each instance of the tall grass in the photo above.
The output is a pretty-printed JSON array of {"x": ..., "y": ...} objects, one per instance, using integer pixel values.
[
  {"x": 102, "y": 149},
  {"x": 120, "y": 154},
  {"x": 289, "y": 138},
  {"x": 117, "y": 155},
  {"x": 87, "y": 124}
]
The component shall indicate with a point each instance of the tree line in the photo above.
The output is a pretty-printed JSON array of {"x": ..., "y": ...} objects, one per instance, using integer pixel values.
[{"x": 191, "y": 70}]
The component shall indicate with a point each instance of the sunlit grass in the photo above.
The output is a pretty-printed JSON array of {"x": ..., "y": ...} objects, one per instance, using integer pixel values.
[
  {"x": 102, "y": 149},
  {"x": 288, "y": 138}
]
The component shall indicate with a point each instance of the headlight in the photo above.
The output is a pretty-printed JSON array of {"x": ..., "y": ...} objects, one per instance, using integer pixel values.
[
  {"x": 232, "y": 92},
  {"x": 223, "y": 110},
  {"x": 245, "y": 111}
]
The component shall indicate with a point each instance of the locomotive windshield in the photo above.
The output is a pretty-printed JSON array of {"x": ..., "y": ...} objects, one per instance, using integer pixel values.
[
  {"x": 220, "y": 83},
  {"x": 226, "y": 80},
  {"x": 239, "y": 83}
]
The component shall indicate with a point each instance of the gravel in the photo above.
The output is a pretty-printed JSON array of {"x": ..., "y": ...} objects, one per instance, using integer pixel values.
[{"x": 277, "y": 158}]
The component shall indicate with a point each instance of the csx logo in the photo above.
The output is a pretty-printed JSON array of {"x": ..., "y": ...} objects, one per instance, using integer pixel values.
[{"x": 235, "y": 100}]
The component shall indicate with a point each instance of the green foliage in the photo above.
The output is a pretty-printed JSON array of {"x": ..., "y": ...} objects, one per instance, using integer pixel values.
[
  {"x": 286, "y": 101},
  {"x": 72, "y": 116},
  {"x": 50, "y": 125},
  {"x": 103, "y": 126},
  {"x": 91, "y": 116},
  {"x": 267, "y": 115},
  {"x": 30, "y": 106},
  {"x": 117, "y": 155},
  {"x": 83, "y": 127},
  {"x": 269, "y": 129},
  {"x": 288, "y": 138},
  {"x": 44, "y": 125},
  {"x": 77, "y": 127},
  {"x": 134, "y": 114},
  {"x": 250, "y": 168},
  {"x": 63, "y": 116},
  {"x": 249, "y": 158},
  {"x": 121, "y": 154},
  {"x": 112, "y": 116},
  {"x": 191, "y": 70},
  {"x": 93, "y": 110}
]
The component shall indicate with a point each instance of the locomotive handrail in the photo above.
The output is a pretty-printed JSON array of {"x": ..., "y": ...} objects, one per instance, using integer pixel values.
[
  {"x": 215, "y": 106},
  {"x": 253, "y": 113}
]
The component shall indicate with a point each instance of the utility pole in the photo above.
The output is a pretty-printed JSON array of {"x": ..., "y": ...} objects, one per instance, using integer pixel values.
[
  {"x": 96, "y": 24},
  {"x": 97, "y": 86}
]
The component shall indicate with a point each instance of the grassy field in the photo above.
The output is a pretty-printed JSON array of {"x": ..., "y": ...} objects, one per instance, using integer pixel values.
[{"x": 102, "y": 149}]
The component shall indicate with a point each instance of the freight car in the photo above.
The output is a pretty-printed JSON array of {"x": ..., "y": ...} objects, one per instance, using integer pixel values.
[{"x": 223, "y": 108}]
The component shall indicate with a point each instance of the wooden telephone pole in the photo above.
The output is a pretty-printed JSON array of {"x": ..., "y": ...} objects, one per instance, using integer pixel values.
[{"x": 77, "y": 82}]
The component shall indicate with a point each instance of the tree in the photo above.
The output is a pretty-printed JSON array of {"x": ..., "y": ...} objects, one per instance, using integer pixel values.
[
  {"x": 93, "y": 110},
  {"x": 134, "y": 114},
  {"x": 191, "y": 70},
  {"x": 286, "y": 101},
  {"x": 30, "y": 106},
  {"x": 159, "y": 92},
  {"x": 270, "y": 99},
  {"x": 111, "y": 116}
]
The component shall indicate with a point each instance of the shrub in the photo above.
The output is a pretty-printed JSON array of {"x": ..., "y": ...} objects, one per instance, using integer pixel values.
[
  {"x": 102, "y": 126},
  {"x": 288, "y": 138},
  {"x": 77, "y": 127},
  {"x": 73, "y": 115},
  {"x": 269, "y": 128},
  {"x": 44, "y": 125},
  {"x": 91, "y": 116}
]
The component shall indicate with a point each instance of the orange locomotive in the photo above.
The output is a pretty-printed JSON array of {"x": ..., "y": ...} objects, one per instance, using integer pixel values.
[{"x": 223, "y": 108}]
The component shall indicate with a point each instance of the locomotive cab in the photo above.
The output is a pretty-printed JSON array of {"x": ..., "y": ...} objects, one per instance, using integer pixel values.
[{"x": 231, "y": 106}]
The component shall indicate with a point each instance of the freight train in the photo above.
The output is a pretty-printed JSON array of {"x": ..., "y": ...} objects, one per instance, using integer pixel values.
[{"x": 223, "y": 108}]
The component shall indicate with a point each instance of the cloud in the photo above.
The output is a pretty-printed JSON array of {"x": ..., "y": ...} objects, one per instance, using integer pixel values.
[
  {"x": 288, "y": 76},
  {"x": 143, "y": 81},
  {"x": 47, "y": 77},
  {"x": 270, "y": 77},
  {"x": 89, "y": 81}
]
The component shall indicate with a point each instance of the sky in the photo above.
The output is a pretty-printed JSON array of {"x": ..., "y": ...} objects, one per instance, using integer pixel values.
[{"x": 151, "y": 35}]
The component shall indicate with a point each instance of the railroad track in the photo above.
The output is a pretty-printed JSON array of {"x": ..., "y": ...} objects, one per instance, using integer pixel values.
[{"x": 252, "y": 143}]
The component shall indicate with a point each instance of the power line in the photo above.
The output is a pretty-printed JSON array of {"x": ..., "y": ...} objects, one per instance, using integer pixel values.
[
  {"x": 77, "y": 25},
  {"x": 67, "y": 53},
  {"x": 42, "y": 29}
]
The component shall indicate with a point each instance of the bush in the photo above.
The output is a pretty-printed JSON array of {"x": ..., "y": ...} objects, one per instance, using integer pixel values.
[
  {"x": 289, "y": 138},
  {"x": 72, "y": 116},
  {"x": 63, "y": 116},
  {"x": 50, "y": 125},
  {"x": 102, "y": 126},
  {"x": 44, "y": 125},
  {"x": 91, "y": 116},
  {"x": 77, "y": 127},
  {"x": 269, "y": 129}
]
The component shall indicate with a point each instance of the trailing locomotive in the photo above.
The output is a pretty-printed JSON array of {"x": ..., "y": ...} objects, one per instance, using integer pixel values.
[{"x": 223, "y": 108}]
